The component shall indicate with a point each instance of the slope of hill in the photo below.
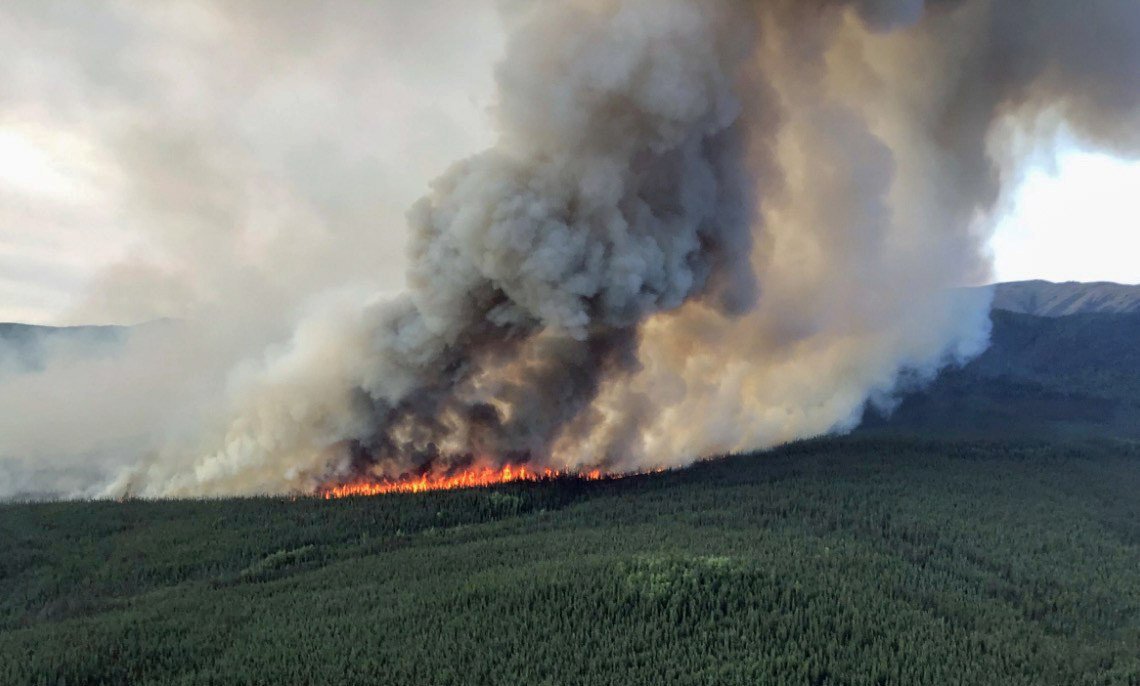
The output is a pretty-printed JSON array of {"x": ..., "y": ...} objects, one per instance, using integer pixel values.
[{"x": 1047, "y": 299}]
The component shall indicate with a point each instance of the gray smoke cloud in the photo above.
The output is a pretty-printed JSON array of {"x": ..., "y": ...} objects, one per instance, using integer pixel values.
[
  {"x": 702, "y": 227},
  {"x": 225, "y": 167}
]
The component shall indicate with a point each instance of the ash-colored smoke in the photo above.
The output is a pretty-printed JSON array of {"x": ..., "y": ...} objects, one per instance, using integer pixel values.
[
  {"x": 705, "y": 226},
  {"x": 891, "y": 132}
]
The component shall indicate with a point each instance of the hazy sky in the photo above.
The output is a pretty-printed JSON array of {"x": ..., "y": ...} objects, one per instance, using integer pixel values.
[
  {"x": 155, "y": 156},
  {"x": 1079, "y": 221},
  {"x": 259, "y": 134}
]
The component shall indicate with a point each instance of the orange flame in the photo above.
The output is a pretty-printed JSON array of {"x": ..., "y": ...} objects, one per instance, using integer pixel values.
[{"x": 474, "y": 477}]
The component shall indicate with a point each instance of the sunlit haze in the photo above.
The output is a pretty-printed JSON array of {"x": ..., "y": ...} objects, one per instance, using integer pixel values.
[{"x": 1079, "y": 221}]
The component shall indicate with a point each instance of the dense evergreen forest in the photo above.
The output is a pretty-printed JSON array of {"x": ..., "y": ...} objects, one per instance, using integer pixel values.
[{"x": 866, "y": 560}]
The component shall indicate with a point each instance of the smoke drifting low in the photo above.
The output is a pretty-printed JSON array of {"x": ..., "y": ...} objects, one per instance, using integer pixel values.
[{"x": 704, "y": 226}]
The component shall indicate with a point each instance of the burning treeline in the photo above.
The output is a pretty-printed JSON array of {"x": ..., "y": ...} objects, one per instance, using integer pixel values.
[
  {"x": 461, "y": 476},
  {"x": 706, "y": 226}
]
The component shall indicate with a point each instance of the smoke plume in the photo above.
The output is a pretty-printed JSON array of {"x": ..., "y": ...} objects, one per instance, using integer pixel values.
[{"x": 703, "y": 226}]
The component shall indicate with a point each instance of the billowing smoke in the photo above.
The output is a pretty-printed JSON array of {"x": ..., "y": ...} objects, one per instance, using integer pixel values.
[{"x": 704, "y": 226}]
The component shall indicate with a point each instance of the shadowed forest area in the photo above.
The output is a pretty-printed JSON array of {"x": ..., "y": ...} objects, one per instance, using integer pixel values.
[
  {"x": 1060, "y": 377},
  {"x": 866, "y": 560}
]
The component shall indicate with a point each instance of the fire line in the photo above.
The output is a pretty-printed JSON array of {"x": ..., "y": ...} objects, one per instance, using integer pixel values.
[{"x": 469, "y": 478}]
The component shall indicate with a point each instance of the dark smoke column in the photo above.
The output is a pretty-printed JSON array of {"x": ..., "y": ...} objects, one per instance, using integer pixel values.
[{"x": 617, "y": 190}]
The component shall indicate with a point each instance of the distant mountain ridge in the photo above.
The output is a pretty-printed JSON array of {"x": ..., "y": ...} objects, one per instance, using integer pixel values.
[
  {"x": 14, "y": 332},
  {"x": 1064, "y": 360},
  {"x": 26, "y": 347},
  {"x": 1048, "y": 299}
]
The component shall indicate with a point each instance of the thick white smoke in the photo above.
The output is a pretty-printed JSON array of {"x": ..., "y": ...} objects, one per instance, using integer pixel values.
[{"x": 704, "y": 226}]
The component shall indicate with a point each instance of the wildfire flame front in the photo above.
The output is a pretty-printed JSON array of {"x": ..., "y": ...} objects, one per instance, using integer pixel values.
[{"x": 476, "y": 477}]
